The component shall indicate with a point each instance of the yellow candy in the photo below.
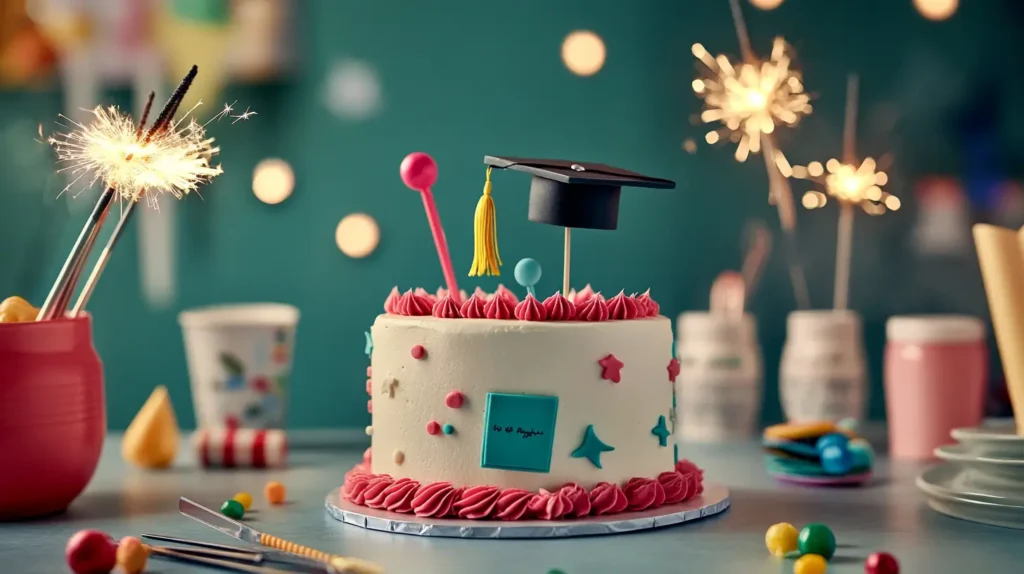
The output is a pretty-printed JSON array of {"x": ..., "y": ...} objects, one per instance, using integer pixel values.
[
  {"x": 810, "y": 564},
  {"x": 17, "y": 310},
  {"x": 245, "y": 499},
  {"x": 132, "y": 555},
  {"x": 781, "y": 539}
]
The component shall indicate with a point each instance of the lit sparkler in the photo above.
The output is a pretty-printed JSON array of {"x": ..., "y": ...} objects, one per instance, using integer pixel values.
[
  {"x": 859, "y": 185},
  {"x": 750, "y": 99},
  {"x": 852, "y": 184},
  {"x": 175, "y": 160}
]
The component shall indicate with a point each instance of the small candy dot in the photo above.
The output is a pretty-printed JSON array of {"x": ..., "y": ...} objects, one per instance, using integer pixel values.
[
  {"x": 454, "y": 400},
  {"x": 369, "y": 406},
  {"x": 232, "y": 509},
  {"x": 245, "y": 499},
  {"x": 810, "y": 564},
  {"x": 369, "y": 386},
  {"x": 781, "y": 539},
  {"x": 817, "y": 539},
  {"x": 132, "y": 555},
  {"x": 881, "y": 563},
  {"x": 274, "y": 491},
  {"x": 433, "y": 428},
  {"x": 448, "y": 429},
  {"x": 399, "y": 457},
  {"x": 369, "y": 371},
  {"x": 418, "y": 352},
  {"x": 369, "y": 431}
]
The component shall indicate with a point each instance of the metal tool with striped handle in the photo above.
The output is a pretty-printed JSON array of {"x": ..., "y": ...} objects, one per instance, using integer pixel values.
[{"x": 240, "y": 531}]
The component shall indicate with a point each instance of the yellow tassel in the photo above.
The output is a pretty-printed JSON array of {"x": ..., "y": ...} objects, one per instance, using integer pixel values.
[{"x": 486, "y": 260}]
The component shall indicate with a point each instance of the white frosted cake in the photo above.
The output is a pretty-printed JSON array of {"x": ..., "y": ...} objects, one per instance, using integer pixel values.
[{"x": 491, "y": 408}]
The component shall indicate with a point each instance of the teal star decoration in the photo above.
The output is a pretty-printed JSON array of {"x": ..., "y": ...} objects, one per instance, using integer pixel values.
[
  {"x": 661, "y": 431},
  {"x": 369, "y": 343},
  {"x": 591, "y": 447}
]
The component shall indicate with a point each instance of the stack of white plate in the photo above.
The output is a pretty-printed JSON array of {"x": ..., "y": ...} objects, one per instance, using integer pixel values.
[{"x": 982, "y": 478}]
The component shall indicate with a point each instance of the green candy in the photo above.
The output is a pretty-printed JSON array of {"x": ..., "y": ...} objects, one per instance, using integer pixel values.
[
  {"x": 232, "y": 509},
  {"x": 817, "y": 539}
]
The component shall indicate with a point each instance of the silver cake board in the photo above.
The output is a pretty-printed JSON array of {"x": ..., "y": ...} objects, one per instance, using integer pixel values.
[{"x": 714, "y": 500}]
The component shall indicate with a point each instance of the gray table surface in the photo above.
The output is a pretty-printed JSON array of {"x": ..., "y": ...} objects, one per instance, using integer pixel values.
[{"x": 889, "y": 514}]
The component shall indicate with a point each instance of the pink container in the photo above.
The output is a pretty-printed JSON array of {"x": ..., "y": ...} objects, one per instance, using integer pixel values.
[
  {"x": 935, "y": 380},
  {"x": 52, "y": 415}
]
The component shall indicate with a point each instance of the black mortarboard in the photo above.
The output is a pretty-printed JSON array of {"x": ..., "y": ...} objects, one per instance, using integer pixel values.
[{"x": 576, "y": 194}]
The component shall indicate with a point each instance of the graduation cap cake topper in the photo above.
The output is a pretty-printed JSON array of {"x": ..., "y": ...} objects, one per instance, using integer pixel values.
[{"x": 563, "y": 193}]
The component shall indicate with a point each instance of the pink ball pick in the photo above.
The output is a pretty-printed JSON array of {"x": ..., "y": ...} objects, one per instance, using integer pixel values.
[{"x": 419, "y": 172}]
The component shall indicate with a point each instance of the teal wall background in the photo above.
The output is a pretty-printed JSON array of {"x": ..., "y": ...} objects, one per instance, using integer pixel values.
[{"x": 462, "y": 79}]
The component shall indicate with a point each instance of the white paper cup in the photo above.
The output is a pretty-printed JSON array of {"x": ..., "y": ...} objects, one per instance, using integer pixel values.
[{"x": 239, "y": 363}]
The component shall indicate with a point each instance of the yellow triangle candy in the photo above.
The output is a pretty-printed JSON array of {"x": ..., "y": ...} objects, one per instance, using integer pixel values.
[{"x": 151, "y": 441}]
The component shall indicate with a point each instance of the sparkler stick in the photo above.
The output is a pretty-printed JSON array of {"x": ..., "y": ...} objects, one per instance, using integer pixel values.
[
  {"x": 844, "y": 240},
  {"x": 750, "y": 99},
  {"x": 852, "y": 185},
  {"x": 163, "y": 123},
  {"x": 81, "y": 150}
]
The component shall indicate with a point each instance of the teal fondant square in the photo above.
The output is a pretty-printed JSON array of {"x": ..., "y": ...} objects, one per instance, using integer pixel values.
[{"x": 519, "y": 432}]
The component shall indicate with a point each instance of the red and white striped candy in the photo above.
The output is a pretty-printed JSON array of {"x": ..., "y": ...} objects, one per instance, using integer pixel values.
[{"x": 241, "y": 448}]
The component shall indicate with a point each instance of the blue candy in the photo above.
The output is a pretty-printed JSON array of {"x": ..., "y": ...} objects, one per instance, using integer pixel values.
[
  {"x": 836, "y": 459},
  {"x": 831, "y": 439}
]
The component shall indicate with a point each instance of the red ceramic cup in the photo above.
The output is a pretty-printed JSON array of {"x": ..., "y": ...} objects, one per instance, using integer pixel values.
[{"x": 52, "y": 415}]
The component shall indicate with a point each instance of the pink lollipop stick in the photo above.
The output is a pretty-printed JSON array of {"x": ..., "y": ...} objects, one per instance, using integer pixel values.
[{"x": 419, "y": 172}]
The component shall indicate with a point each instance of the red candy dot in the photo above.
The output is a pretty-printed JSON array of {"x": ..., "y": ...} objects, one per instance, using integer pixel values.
[
  {"x": 881, "y": 563},
  {"x": 369, "y": 406},
  {"x": 418, "y": 352},
  {"x": 433, "y": 428},
  {"x": 369, "y": 386},
  {"x": 369, "y": 371},
  {"x": 454, "y": 400}
]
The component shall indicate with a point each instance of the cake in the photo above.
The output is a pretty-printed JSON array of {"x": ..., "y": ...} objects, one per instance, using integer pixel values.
[
  {"x": 494, "y": 408},
  {"x": 497, "y": 407}
]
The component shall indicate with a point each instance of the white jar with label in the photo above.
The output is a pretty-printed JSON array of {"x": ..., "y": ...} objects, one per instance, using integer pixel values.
[
  {"x": 823, "y": 375},
  {"x": 718, "y": 390}
]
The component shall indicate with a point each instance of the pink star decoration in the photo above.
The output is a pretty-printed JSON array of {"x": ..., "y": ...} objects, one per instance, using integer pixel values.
[
  {"x": 611, "y": 369},
  {"x": 673, "y": 370}
]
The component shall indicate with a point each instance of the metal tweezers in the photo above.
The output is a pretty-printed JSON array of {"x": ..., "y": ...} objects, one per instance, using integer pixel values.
[{"x": 235, "y": 558}]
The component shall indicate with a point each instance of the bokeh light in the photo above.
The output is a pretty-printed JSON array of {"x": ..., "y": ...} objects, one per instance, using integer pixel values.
[
  {"x": 357, "y": 235},
  {"x": 353, "y": 90},
  {"x": 690, "y": 146},
  {"x": 937, "y": 9},
  {"x": 766, "y": 4},
  {"x": 273, "y": 181},
  {"x": 583, "y": 53}
]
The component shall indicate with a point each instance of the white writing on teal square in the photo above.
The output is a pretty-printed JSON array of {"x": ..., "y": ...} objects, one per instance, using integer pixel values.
[{"x": 519, "y": 432}]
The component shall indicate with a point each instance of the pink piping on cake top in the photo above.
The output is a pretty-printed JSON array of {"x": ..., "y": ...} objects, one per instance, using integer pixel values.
[
  {"x": 559, "y": 308},
  {"x": 530, "y": 309},
  {"x": 584, "y": 305},
  {"x": 441, "y": 499}
]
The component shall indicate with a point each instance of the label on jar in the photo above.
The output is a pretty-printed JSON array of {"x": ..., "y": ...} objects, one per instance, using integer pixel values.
[
  {"x": 812, "y": 398},
  {"x": 718, "y": 407}
]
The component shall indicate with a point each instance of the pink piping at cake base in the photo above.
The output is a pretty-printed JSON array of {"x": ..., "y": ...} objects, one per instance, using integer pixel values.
[{"x": 484, "y": 502}]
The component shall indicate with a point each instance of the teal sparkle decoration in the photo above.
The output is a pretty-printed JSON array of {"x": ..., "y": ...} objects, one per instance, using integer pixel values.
[
  {"x": 591, "y": 447},
  {"x": 519, "y": 432},
  {"x": 448, "y": 429},
  {"x": 675, "y": 454},
  {"x": 369, "y": 344},
  {"x": 661, "y": 431},
  {"x": 527, "y": 274}
]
